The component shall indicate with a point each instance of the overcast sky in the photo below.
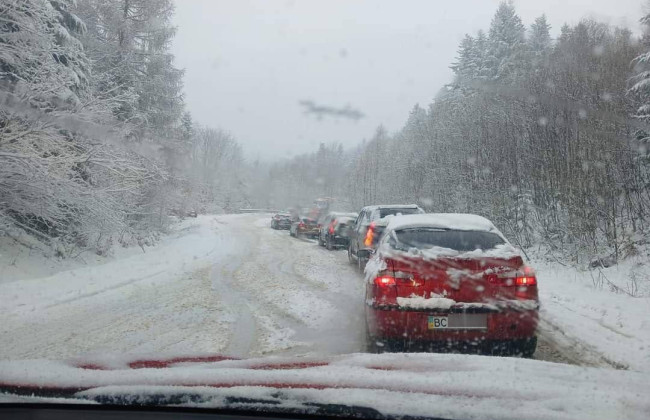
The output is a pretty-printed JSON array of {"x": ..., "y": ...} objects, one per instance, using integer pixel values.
[{"x": 249, "y": 62}]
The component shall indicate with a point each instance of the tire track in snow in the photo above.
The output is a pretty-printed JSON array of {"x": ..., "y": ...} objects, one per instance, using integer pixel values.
[
  {"x": 244, "y": 329},
  {"x": 298, "y": 309}
]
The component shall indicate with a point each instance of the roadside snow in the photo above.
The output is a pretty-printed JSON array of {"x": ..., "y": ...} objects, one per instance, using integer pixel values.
[
  {"x": 191, "y": 245},
  {"x": 607, "y": 322}
]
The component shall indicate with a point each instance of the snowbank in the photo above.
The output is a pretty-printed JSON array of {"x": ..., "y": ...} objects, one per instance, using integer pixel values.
[
  {"x": 598, "y": 318},
  {"x": 191, "y": 244}
]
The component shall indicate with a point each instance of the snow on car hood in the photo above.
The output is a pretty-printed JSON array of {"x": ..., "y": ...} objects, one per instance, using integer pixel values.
[{"x": 432, "y": 385}]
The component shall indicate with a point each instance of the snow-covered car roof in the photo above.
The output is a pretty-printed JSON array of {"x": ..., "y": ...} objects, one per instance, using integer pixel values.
[
  {"x": 455, "y": 221},
  {"x": 392, "y": 206},
  {"x": 342, "y": 214}
]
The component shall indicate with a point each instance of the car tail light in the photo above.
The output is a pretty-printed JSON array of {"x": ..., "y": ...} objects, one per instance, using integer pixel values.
[
  {"x": 385, "y": 290},
  {"x": 370, "y": 235},
  {"x": 520, "y": 284},
  {"x": 331, "y": 228},
  {"x": 385, "y": 281},
  {"x": 301, "y": 225},
  {"x": 525, "y": 281}
]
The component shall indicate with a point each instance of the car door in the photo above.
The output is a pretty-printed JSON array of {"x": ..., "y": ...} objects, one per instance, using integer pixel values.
[
  {"x": 353, "y": 232},
  {"x": 360, "y": 231},
  {"x": 324, "y": 224}
]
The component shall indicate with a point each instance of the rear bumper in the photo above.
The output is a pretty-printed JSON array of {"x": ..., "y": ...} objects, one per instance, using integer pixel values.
[
  {"x": 308, "y": 232},
  {"x": 398, "y": 324},
  {"x": 339, "y": 240}
]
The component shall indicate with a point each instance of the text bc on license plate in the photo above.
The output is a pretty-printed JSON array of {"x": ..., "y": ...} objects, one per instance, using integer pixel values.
[
  {"x": 438, "y": 322},
  {"x": 457, "y": 322}
]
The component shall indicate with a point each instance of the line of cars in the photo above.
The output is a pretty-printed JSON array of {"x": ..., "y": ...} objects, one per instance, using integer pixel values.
[
  {"x": 332, "y": 230},
  {"x": 436, "y": 281}
]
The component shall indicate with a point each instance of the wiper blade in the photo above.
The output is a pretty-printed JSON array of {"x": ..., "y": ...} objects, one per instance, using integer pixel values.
[{"x": 278, "y": 403}]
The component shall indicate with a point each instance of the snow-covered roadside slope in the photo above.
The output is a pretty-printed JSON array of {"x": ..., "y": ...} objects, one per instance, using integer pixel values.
[
  {"x": 191, "y": 244},
  {"x": 602, "y": 324}
]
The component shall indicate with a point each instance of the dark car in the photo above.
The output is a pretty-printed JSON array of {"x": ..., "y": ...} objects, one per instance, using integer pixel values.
[
  {"x": 364, "y": 234},
  {"x": 334, "y": 229},
  {"x": 281, "y": 221},
  {"x": 304, "y": 226}
]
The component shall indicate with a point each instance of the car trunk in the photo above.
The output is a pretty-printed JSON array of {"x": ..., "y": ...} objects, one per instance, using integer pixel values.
[{"x": 464, "y": 280}]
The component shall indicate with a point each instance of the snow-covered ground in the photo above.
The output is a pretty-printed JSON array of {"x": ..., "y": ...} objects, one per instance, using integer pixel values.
[
  {"x": 218, "y": 284},
  {"x": 231, "y": 285},
  {"x": 602, "y": 326}
]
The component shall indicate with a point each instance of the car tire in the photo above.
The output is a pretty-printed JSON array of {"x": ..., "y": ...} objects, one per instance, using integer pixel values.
[
  {"x": 350, "y": 259},
  {"x": 328, "y": 243},
  {"x": 371, "y": 345},
  {"x": 320, "y": 240},
  {"x": 526, "y": 347},
  {"x": 361, "y": 264}
]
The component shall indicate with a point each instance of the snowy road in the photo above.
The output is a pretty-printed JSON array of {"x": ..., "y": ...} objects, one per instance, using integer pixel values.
[
  {"x": 220, "y": 284},
  {"x": 224, "y": 285}
]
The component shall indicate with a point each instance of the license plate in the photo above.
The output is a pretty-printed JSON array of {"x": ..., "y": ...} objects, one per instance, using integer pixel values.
[
  {"x": 457, "y": 322},
  {"x": 438, "y": 322}
]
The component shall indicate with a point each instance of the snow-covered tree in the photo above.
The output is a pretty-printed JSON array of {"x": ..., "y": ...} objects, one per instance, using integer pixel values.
[
  {"x": 129, "y": 42},
  {"x": 505, "y": 45},
  {"x": 539, "y": 42}
]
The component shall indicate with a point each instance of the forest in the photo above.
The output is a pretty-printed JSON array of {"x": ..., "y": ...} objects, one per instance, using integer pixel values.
[
  {"x": 547, "y": 137},
  {"x": 96, "y": 146}
]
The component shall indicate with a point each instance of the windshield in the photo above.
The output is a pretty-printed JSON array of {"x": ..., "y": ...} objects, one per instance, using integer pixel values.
[
  {"x": 366, "y": 208},
  {"x": 457, "y": 240}
]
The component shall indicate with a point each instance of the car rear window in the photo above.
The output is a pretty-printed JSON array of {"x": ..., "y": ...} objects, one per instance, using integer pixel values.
[
  {"x": 458, "y": 240},
  {"x": 388, "y": 212},
  {"x": 344, "y": 221}
]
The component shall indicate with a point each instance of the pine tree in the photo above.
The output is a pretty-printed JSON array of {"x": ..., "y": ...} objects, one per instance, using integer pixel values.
[
  {"x": 466, "y": 66},
  {"x": 129, "y": 42},
  {"x": 640, "y": 83},
  {"x": 539, "y": 42},
  {"x": 506, "y": 42}
]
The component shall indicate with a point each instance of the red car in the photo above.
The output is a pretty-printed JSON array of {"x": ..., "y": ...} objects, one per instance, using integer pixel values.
[{"x": 440, "y": 281}]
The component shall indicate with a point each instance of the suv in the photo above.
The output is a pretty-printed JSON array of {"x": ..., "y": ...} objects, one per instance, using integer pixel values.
[{"x": 367, "y": 228}]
